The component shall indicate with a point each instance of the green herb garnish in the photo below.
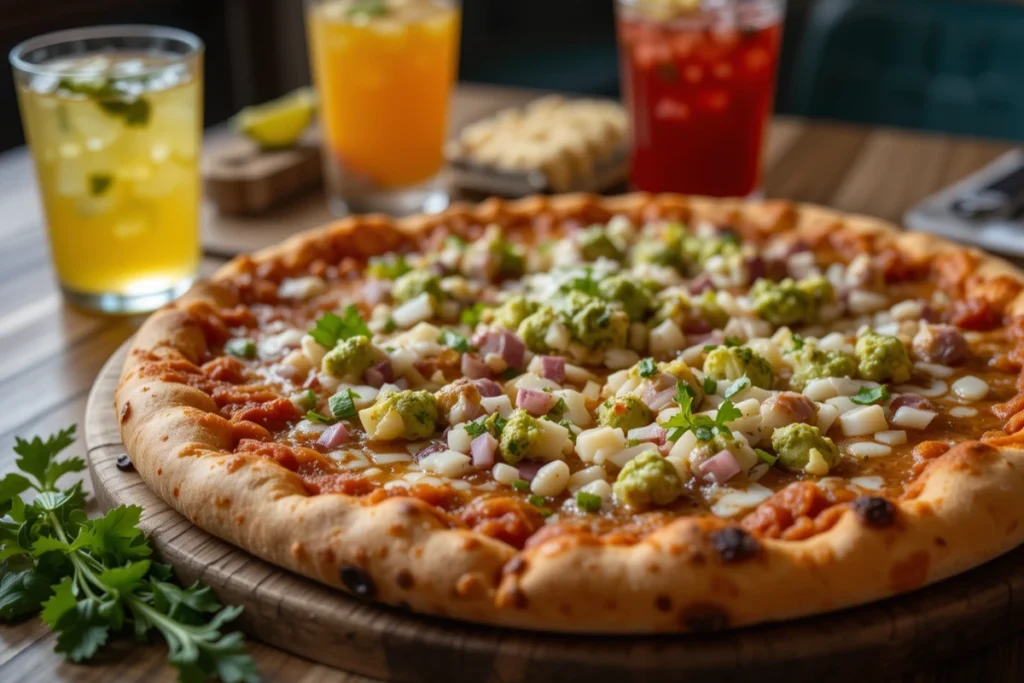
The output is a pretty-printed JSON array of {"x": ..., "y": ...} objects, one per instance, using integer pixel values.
[
  {"x": 470, "y": 316},
  {"x": 732, "y": 341},
  {"x": 309, "y": 399},
  {"x": 710, "y": 385},
  {"x": 536, "y": 501},
  {"x": 647, "y": 367},
  {"x": 521, "y": 485},
  {"x": 388, "y": 266},
  {"x": 868, "y": 397},
  {"x": 343, "y": 404},
  {"x": 586, "y": 284},
  {"x": 765, "y": 456},
  {"x": 588, "y": 502},
  {"x": 475, "y": 429},
  {"x": 368, "y": 8},
  {"x": 331, "y": 328},
  {"x": 314, "y": 416},
  {"x": 90, "y": 578},
  {"x": 703, "y": 426},
  {"x": 737, "y": 386},
  {"x": 454, "y": 340},
  {"x": 241, "y": 348}
]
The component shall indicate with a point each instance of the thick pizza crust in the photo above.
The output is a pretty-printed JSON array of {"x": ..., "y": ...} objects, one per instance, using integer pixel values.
[{"x": 964, "y": 510}]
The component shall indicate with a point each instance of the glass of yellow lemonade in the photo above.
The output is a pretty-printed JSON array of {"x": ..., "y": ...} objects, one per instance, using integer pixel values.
[
  {"x": 113, "y": 116},
  {"x": 384, "y": 71}
]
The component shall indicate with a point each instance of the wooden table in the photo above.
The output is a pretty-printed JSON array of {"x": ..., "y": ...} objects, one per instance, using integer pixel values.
[{"x": 50, "y": 353}]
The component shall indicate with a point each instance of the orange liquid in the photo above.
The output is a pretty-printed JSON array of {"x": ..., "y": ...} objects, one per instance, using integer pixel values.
[{"x": 384, "y": 84}]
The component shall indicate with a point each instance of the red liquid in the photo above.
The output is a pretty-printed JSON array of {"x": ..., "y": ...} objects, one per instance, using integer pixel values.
[{"x": 699, "y": 99}]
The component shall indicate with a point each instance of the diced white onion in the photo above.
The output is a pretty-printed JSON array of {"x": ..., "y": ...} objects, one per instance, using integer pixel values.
[
  {"x": 666, "y": 339},
  {"x": 827, "y": 414},
  {"x": 625, "y": 455},
  {"x": 906, "y": 310},
  {"x": 301, "y": 287},
  {"x": 934, "y": 370},
  {"x": 390, "y": 458},
  {"x": 557, "y": 337},
  {"x": 843, "y": 404},
  {"x": 617, "y": 359},
  {"x": 599, "y": 488},
  {"x": 820, "y": 390},
  {"x": 934, "y": 390},
  {"x": 551, "y": 440},
  {"x": 868, "y": 483},
  {"x": 415, "y": 310},
  {"x": 576, "y": 407},
  {"x": 447, "y": 464},
  {"x": 835, "y": 341},
  {"x": 868, "y": 449},
  {"x": 504, "y": 473},
  {"x": 971, "y": 388},
  {"x": 592, "y": 391},
  {"x": 866, "y": 302},
  {"x": 314, "y": 352},
  {"x": 863, "y": 420},
  {"x": 595, "y": 445},
  {"x": 459, "y": 439},
  {"x": 497, "y": 404},
  {"x": 963, "y": 411},
  {"x": 913, "y": 418},
  {"x": 892, "y": 437},
  {"x": 733, "y": 501},
  {"x": 551, "y": 479},
  {"x": 585, "y": 476}
]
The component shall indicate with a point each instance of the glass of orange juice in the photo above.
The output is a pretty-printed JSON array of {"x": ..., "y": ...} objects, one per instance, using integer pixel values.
[
  {"x": 384, "y": 71},
  {"x": 113, "y": 115}
]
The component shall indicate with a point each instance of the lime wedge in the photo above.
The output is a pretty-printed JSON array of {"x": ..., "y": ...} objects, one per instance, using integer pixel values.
[{"x": 278, "y": 123}]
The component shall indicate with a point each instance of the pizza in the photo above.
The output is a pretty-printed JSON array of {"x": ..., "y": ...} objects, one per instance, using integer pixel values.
[{"x": 644, "y": 413}]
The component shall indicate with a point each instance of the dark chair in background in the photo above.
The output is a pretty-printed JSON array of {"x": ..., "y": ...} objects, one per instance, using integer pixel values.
[{"x": 926, "y": 64}]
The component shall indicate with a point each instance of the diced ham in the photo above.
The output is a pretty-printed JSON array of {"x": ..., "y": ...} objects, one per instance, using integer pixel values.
[
  {"x": 482, "y": 450},
  {"x": 719, "y": 468},
  {"x": 474, "y": 368},
  {"x": 911, "y": 401},
  {"x": 553, "y": 368},
  {"x": 503, "y": 343},
  {"x": 534, "y": 401},
  {"x": 380, "y": 374},
  {"x": 333, "y": 436}
]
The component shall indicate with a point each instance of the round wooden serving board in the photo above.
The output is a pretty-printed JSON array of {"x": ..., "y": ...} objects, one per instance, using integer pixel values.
[{"x": 871, "y": 643}]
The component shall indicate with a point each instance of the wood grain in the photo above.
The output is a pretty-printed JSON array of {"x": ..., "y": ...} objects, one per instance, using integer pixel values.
[{"x": 808, "y": 161}]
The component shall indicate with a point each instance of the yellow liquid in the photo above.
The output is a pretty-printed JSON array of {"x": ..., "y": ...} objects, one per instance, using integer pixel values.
[
  {"x": 384, "y": 83},
  {"x": 121, "y": 200}
]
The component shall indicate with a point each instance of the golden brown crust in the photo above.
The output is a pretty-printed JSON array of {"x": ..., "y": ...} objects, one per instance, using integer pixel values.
[{"x": 693, "y": 574}]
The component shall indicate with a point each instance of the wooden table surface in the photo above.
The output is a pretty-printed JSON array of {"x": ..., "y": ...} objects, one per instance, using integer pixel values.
[{"x": 50, "y": 353}]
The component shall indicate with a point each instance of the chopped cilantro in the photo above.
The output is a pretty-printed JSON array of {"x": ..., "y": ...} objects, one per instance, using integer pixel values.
[
  {"x": 710, "y": 347},
  {"x": 765, "y": 456},
  {"x": 389, "y": 326},
  {"x": 499, "y": 423},
  {"x": 737, "y": 386},
  {"x": 710, "y": 385},
  {"x": 588, "y": 502},
  {"x": 241, "y": 348},
  {"x": 331, "y": 328},
  {"x": 798, "y": 343},
  {"x": 536, "y": 501},
  {"x": 368, "y": 8},
  {"x": 733, "y": 341},
  {"x": 314, "y": 416},
  {"x": 454, "y": 340},
  {"x": 474, "y": 429},
  {"x": 868, "y": 397},
  {"x": 343, "y": 404},
  {"x": 703, "y": 426},
  {"x": 388, "y": 267},
  {"x": 521, "y": 485},
  {"x": 586, "y": 284},
  {"x": 510, "y": 373},
  {"x": 648, "y": 367},
  {"x": 470, "y": 316}
]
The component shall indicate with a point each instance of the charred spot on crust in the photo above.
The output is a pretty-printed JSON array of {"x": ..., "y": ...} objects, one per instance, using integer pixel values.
[
  {"x": 703, "y": 617},
  {"x": 358, "y": 582},
  {"x": 124, "y": 463},
  {"x": 663, "y": 603},
  {"x": 518, "y": 598},
  {"x": 404, "y": 579},
  {"x": 126, "y": 412},
  {"x": 734, "y": 544},
  {"x": 875, "y": 511}
]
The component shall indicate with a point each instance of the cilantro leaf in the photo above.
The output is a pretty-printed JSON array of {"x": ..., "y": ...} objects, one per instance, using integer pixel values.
[
  {"x": 470, "y": 316},
  {"x": 737, "y": 386},
  {"x": 309, "y": 399},
  {"x": 536, "y": 501},
  {"x": 732, "y": 341},
  {"x": 521, "y": 485},
  {"x": 586, "y": 284},
  {"x": 36, "y": 455},
  {"x": 475, "y": 429},
  {"x": 868, "y": 397},
  {"x": 343, "y": 405},
  {"x": 710, "y": 385},
  {"x": 331, "y": 328},
  {"x": 388, "y": 267},
  {"x": 454, "y": 340},
  {"x": 588, "y": 502},
  {"x": 647, "y": 367},
  {"x": 727, "y": 412}
]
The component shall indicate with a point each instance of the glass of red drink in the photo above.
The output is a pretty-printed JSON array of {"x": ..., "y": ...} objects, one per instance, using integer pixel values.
[{"x": 699, "y": 79}]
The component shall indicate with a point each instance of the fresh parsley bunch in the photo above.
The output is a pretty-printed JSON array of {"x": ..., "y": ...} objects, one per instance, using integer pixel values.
[{"x": 92, "y": 577}]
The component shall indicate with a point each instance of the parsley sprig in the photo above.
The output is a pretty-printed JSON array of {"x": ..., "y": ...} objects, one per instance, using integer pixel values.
[
  {"x": 704, "y": 427},
  {"x": 89, "y": 578},
  {"x": 869, "y": 397},
  {"x": 331, "y": 328}
]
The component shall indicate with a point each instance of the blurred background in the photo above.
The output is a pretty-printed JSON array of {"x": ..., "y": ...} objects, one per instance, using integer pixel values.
[{"x": 941, "y": 65}]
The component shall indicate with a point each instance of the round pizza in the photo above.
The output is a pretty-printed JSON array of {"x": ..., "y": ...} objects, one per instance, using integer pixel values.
[{"x": 631, "y": 414}]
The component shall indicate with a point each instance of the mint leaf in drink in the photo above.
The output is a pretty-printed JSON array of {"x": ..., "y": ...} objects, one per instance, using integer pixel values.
[
  {"x": 99, "y": 183},
  {"x": 368, "y": 9}
]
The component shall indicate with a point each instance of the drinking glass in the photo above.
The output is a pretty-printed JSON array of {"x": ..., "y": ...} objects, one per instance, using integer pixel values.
[
  {"x": 699, "y": 80},
  {"x": 113, "y": 116},
  {"x": 384, "y": 71}
]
